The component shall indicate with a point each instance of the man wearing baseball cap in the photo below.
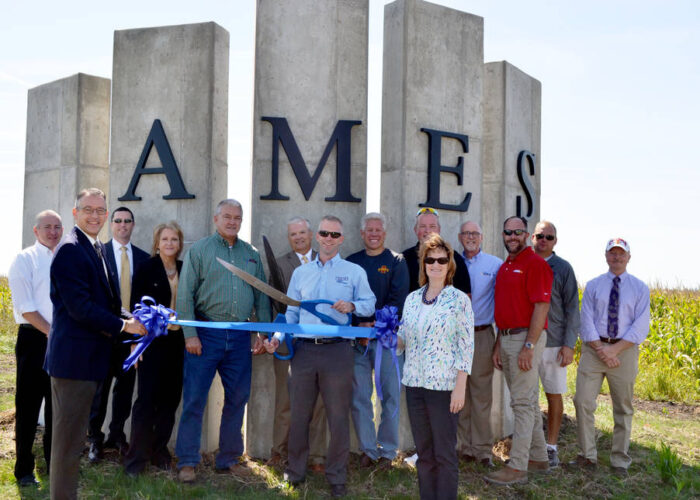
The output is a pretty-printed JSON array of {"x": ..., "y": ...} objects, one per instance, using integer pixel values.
[{"x": 614, "y": 321}]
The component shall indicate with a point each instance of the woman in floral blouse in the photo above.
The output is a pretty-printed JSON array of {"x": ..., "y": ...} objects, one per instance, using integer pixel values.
[{"x": 438, "y": 335}]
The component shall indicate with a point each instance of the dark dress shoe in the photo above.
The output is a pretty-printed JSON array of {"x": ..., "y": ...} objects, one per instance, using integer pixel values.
[
  {"x": 95, "y": 453},
  {"x": 366, "y": 461},
  {"x": 384, "y": 463},
  {"x": 293, "y": 483},
  {"x": 487, "y": 462},
  {"x": 28, "y": 480},
  {"x": 338, "y": 490}
]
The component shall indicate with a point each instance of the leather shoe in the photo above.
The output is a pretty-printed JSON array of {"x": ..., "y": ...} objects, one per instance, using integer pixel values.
[
  {"x": 292, "y": 483},
  {"x": 366, "y": 461},
  {"x": 620, "y": 471},
  {"x": 275, "y": 460},
  {"x": 95, "y": 453},
  {"x": 338, "y": 490},
  {"x": 468, "y": 458},
  {"x": 581, "y": 462},
  {"x": 186, "y": 474},
  {"x": 541, "y": 466},
  {"x": 239, "y": 469},
  {"x": 487, "y": 462},
  {"x": 317, "y": 468},
  {"x": 506, "y": 476},
  {"x": 28, "y": 480},
  {"x": 384, "y": 463}
]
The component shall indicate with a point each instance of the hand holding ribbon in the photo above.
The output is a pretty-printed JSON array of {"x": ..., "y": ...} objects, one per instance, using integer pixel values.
[
  {"x": 155, "y": 318},
  {"x": 386, "y": 325}
]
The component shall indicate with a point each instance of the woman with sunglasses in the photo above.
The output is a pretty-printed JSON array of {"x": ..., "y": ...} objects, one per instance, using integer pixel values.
[
  {"x": 438, "y": 335},
  {"x": 160, "y": 367}
]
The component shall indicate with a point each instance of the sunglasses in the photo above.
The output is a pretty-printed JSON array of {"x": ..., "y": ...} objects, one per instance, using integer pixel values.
[
  {"x": 548, "y": 237},
  {"x": 333, "y": 234},
  {"x": 516, "y": 232},
  {"x": 427, "y": 210},
  {"x": 125, "y": 221},
  {"x": 439, "y": 260}
]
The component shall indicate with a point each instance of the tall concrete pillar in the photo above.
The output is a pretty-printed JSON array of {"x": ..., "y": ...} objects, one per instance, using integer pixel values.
[
  {"x": 431, "y": 102},
  {"x": 67, "y": 146},
  {"x": 511, "y": 154},
  {"x": 432, "y": 85},
  {"x": 309, "y": 140},
  {"x": 170, "y": 110}
]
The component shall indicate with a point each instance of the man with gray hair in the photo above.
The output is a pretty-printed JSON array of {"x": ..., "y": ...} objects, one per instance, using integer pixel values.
[
  {"x": 474, "y": 435},
  {"x": 29, "y": 283},
  {"x": 206, "y": 291},
  {"x": 564, "y": 323},
  {"x": 387, "y": 274},
  {"x": 299, "y": 234}
]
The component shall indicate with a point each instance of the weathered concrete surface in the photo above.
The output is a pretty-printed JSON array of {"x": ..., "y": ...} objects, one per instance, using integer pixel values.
[
  {"x": 310, "y": 68},
  {"x": 512, "y": 123},
  {"x": 179, "y": 75},
  {"x": 433, "y": 65},
  {"x": 67, "y": 146}
]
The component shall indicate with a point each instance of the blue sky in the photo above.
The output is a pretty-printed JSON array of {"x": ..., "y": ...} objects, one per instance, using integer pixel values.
[{"x": 620, "y": 108}]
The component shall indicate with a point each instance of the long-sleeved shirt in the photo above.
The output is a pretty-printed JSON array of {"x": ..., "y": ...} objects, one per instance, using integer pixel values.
[
  {"x": 633, "y": 314},
  {"x": 30, "y": 283},
  {"x": 207, "y": 290},
  {"x": 335, "y": 280},
  {"x": 564, "y": 319},
  {"x": 387, "y": 275},
  {"x": 483, "y": 268}
]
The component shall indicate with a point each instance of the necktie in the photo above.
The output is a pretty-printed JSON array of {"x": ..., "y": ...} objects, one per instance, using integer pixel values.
[
  {"x": 614, "y": 308},
  {"x": 98, "y": 249},
  {"x": 125, "y": 280},
  {"x": 304, "y": 259}
]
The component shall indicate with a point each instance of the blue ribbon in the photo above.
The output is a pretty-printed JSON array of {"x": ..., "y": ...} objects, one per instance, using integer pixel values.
[
  {"x": 386, "y": 325},
  {"x": 155, "y": 318}
]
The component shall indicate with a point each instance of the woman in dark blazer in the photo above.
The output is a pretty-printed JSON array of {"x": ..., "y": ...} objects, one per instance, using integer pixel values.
[{"x": 160, "y": 366}]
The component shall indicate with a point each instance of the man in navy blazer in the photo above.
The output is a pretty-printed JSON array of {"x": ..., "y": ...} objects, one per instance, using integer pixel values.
[
  {"x": 86, "y": 319},
  {"x": 122, "y": 259}
]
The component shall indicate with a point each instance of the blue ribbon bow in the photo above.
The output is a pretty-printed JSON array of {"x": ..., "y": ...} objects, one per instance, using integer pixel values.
[
  {"x": 386, "y": 325},
  {"x": 156, "y": 319}
]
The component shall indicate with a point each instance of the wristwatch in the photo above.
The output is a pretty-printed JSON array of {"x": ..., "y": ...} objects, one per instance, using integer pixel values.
[{"x": 529, "y": 345}]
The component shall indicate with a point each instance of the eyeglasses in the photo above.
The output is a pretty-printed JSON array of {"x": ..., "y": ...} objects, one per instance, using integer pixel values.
[
  {"x": 470, "y": 234},
  {"x": 516, "y": 232},
  {"x": 548, "y": 237},
  {"x": 125, "y": 221},
  {"x": 439, "y": 260},
  {"x": 90, "y": 210},
  {"x": 333, "y": 234},
  {"x": 427, "y": 210}
]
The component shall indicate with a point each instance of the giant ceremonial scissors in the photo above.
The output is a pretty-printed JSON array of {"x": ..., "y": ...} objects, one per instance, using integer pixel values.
[{"x": 307, "y": 305}]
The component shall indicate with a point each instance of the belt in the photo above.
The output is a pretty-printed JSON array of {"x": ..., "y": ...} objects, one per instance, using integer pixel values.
[
  {"x": 29, "y": 326},
  {"x": 322, "y": 340},
  {"x": 513, "y": 331},
  {"x": 609, "y": 340},
  {"x": 478, "y": 328}
]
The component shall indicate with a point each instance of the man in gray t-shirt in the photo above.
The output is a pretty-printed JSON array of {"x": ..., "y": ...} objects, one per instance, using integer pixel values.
[{"x": 564, "y": 322}]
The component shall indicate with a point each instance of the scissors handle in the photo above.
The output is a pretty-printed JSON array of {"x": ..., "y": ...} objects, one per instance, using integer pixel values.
[
  {"x": 287, "y": 341},
  {"x": 311, "y": 305}
]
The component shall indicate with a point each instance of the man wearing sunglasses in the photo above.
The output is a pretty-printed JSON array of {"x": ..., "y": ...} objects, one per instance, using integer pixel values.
[
  {"x": 122, "y": 257},
  {"x": 522, "y": 296},
  {"x": 323, "y": 365},
  {"x": 564, "y": 322},
  {"x": 427, "y": 223}
]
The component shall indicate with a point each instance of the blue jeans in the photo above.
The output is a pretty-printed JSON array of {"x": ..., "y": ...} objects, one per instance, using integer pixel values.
[
  {"x": 385, "y": 442},
  {"x": 228, "y": 352}
]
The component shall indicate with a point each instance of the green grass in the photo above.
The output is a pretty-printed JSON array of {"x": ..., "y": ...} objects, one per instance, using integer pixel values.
[{"x": 665, "y": 438}]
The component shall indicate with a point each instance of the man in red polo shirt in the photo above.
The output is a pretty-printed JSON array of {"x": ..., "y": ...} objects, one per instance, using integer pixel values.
[{"x": 523, "y": 290}]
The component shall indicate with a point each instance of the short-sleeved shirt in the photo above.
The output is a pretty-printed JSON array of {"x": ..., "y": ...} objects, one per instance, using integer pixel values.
[{"x": 521, "y": 282}]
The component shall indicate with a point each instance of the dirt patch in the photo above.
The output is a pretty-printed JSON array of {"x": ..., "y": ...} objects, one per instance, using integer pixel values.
[{"x": 666, "y": 408}]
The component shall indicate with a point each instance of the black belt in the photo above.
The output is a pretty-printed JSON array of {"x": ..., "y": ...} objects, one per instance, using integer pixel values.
[
  {"x": 609, "y": 340},
  {"x": 29, "y": 326},
  {"x": 512, "y": 331},
  {"x": 478, "y": 328},
  {"x": 332, "y": 340}
]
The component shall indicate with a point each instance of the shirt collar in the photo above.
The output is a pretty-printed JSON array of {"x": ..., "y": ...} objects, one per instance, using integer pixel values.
[
  {"x": 622, "y": 277},
  {"x": 308, "y": 255},
  {"x": 525, "y": 253},
  {"x": 333, "y": 261},
  {"x": 223, "y": 241},
  {"x": 117, "y": 246},
  {"x": 473, "y": 259},
  {"x": 42, "y": 248}
]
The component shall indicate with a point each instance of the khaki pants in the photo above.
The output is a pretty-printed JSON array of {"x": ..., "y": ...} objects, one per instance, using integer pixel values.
[
  {"x": 474, "y": 435},
  {"x": 528, "y": 436},
  {"x": 280, "y": 432},
  {"x": 589, "y": 379}
]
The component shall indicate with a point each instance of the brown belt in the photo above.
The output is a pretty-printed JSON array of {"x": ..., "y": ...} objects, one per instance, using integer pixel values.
[
  {"x": 609, "y": 340},
  {"x": 512, "y": 331},
  {"x": 478, "y": 328}
]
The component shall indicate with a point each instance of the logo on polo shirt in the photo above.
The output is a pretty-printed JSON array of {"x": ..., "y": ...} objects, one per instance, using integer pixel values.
[
  {"x": 342, "y": 279},
  {"x": 518, "y": 271},
  {"x": 383, "y": 269}
]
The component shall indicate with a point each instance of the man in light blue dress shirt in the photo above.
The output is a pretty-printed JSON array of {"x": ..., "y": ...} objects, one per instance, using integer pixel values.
[
  {"x": 324, "y": 365},
  {"x": 614, "y": 321},
  {"x": 474, "y": 435}
]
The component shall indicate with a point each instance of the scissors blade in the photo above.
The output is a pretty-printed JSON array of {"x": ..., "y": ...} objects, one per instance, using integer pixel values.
[
  {"x": 259, "y": 284},
  {"x": 276, "y": 278}
]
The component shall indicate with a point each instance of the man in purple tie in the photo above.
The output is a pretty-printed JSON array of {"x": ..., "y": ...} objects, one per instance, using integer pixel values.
[{"x": 614, "y": 321}]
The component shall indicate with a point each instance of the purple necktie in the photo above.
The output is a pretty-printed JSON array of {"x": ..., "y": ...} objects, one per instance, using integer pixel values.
[{"x": 614, "y": 308}]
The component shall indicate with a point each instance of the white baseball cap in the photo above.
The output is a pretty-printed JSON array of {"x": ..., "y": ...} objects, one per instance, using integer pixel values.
[{"x": 619, "y": 243}]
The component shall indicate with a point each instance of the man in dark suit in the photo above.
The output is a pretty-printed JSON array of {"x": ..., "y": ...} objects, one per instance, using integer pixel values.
[
  {"x": 86, "y": 319},
  {"x": 122, "y": 258},
  {"x": 299, "y": 234}
]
